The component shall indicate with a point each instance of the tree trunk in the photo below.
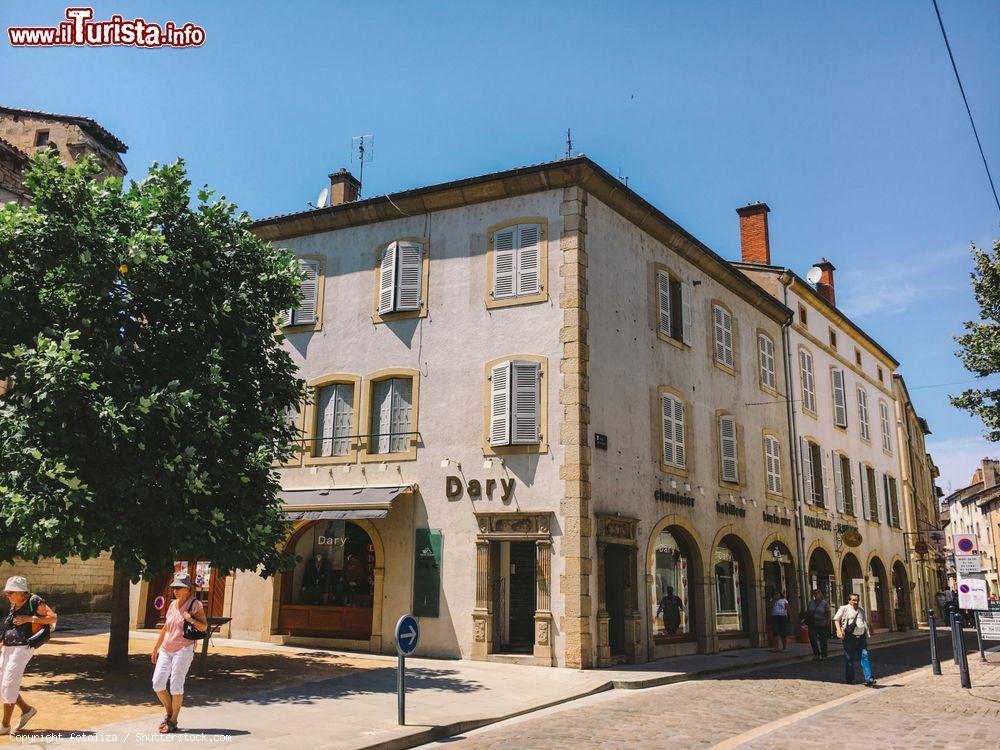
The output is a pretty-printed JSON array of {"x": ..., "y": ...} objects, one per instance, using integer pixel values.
[{"x": 118, "y": 642}]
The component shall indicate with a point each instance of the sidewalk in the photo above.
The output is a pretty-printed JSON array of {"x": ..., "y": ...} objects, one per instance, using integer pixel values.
[{"x": 444, "y": 698}]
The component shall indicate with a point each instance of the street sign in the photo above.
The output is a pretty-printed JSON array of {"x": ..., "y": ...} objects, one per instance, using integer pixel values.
[
  {"x": 989, "y": 622},
  {"x": 972, "y": 592},
  {"x": 937, "y": 539},
  {"x": 966, "y": 565},
  {"x": 407, "y": 635},
  {"x": 966, "y": 545}
]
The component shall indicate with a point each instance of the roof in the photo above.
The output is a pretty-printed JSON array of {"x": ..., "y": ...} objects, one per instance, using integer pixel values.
[
  {"x": 579, "y": 171},
  {"x": 13, "y": 150},
  {"x": 832, "y": 310},
  {"x": 91, "y": 126}
]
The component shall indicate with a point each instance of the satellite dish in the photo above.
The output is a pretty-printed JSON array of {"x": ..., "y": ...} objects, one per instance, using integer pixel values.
[
  {"x": 321, "y": 201},
  {"x": 814, "y": 275}
]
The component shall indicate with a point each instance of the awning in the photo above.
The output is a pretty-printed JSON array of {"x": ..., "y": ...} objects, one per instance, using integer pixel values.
[{"x": 339, "y": 503}]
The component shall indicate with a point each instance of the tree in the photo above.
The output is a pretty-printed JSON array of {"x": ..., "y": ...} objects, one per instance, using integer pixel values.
[
  {"x": 980, "y": 346},
  {"x": 149, "y": 394}
]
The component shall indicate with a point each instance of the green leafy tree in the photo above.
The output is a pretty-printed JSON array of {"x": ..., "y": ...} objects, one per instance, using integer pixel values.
[
  {"x": 980, "y": 345},
  {"x": 148, "y": 394}
]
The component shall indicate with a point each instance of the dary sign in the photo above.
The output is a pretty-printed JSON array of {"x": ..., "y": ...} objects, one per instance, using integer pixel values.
[{"x": 453, "y": 488}]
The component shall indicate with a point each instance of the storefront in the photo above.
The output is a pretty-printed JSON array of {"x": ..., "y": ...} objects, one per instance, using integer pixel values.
[
  {"x": 822, "y": 575},
  {"x": 778, "y": 572},
  {"x": 618, "y": 620},
  {"x": 675, "y": 583},
  {"x": 733, "y": 577},
  {"x": 209, "y": 588}
]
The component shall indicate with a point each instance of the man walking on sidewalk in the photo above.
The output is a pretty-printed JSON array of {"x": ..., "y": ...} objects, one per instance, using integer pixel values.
[{"x": 853, "y": 629}]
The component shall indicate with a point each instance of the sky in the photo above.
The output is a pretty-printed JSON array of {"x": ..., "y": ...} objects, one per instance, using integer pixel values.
[{"x": 844, "y": 117}]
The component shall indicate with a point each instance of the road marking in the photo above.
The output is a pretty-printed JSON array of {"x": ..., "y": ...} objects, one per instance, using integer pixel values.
[{"x": 752, "y": 734}]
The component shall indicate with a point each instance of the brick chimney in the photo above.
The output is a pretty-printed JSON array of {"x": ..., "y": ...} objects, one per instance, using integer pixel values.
[
  {"x": 344, "y": 187},
  {"x": 824, "y": 287},
  {"x": 754, "y": 240}
]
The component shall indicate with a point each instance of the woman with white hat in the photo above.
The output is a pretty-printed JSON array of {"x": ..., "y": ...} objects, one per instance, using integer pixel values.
[
  {"x": 26, "y": 627},
  {"x": 174, "y": 651}
]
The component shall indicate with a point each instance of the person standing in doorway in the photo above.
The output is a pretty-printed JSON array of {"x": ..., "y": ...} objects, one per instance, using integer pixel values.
[
  {"x": 818, "y": 621},
  {"x": 671, "y": 608},
  {"x": 779, "y": 620},
  {"x": 174, "y": 652},
  {"x": 853, "y": 629},
  {"x": 26, "y": 627}
]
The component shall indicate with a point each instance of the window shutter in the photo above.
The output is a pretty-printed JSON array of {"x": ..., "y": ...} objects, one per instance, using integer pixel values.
[
  {"x": 525, "y": 400},
  {"x": 326, "y": 408},
  {"x": 863, "y": 413},
  {"x": 503, "y": 263},
  {"x": 823, "y": 477},
  {"x": 343, "y": 419},
  {"x": 727, "y": 449},
  {"x": 663, "y": 302},
  {"x": 409, "y": 287},
  {"x": 723, "y": 336},
  {"x": 839, "y": 398},
  {"x": 855, "y": 499},
  {"x": 284, "y": 318},
  {"x": 865, "y": 502},
  {"x": 876, "y": 501},
  {"x": 766, "y": 352},
  {"x": 529, "y": 255},
  {"x": 381, "y": 416},
  {"x": 500, "y": 404},
  {"x": 686, "y": 319},
  {"x": 886, "y": 436},
  {"x": 679, "y": 449},
  {"x": 387, "y": 280},
  {"x": 807, "y": 470},
  {"x": 772, "y": 460},
  {"x": 886, "y": 500},
  {"x": 309, "y": 286},
  {"x": 399, "y": 421},
  {"x": 838, "y": 481},
  {"x": 672, "y": 412}
]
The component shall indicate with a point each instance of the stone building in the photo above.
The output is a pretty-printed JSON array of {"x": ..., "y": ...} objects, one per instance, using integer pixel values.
[
  {"x": 975, "y": 509},
  {"x": 12, "y": 164}
]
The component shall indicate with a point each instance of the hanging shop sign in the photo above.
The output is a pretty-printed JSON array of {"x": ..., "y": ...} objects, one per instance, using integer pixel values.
[
  {"x": 674, "y": 498},
  {"x": 427, "y": 572},
  {"x": 453, "y": 488}
]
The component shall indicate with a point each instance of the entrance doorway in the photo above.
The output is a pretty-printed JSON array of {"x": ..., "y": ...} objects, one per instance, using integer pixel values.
[
  {"x": 514, "y": 590},
  {"x": 821, "y": 576},
  {"x": 209, "y": 588},
  {"x": 615, "y": 576}
]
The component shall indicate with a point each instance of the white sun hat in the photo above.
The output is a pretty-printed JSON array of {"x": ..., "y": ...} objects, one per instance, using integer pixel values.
[{"x": 17, "y": 583}]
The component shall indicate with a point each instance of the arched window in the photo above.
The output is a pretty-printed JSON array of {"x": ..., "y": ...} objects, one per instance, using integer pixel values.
[
  {"x": 728, "y": 604},
  {"x": 337, "y": 567},
  {"x": 671, "y": 602}
]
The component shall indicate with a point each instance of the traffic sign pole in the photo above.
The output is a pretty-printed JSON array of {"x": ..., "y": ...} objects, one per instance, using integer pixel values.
[
  {"x": 935, "y": 663},
  {"x": 407, "y": 637},
  {"x": 400, "y": 689},
  {"x": 979, "y": 639}
]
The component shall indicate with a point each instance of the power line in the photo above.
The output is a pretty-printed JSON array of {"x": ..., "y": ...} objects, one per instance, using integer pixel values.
[{"x": 966, "y": 100}]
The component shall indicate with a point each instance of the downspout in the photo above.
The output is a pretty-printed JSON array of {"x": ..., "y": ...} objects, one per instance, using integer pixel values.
[{"x": 797, "y": 500}]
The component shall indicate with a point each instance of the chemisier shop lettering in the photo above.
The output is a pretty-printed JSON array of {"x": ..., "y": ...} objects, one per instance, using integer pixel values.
[{"x": 673, "y": 498}]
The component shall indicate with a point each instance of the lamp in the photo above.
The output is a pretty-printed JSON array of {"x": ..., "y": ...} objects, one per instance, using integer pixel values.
[
  {"x": 687, "y": 486},
  {"x": 383, "y": 467},
  {"x": 446, "y": 461},
  {"x": 346, "y": 469},
  {"x": 673, "y": 484}
]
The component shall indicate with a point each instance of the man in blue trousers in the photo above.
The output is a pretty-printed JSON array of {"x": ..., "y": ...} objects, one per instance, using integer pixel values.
[{"x": 853, "y": 629}]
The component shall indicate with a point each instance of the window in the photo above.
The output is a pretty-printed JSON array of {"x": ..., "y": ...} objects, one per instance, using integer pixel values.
[
  {"x": 802, "y": 316},
  {"x": 515, "y": 403},
  {"x": 391, "y": 416},
  {"x": 857, "y": 356},
  {"x": 670, "y": 586},
  {"x": 673, "y": 307},
  {"x": 891, "y": 501},
  {"x": 883, "y": 410},
  {"x": 400, "y": 278},
  {"x": 879, "y": 369},
  {"x": 808, "y": 382},
  {"x": 872, "y": 485},
  {"x": 772, "y": 461},
  {"x": 309, "y": 311},
  {"x": 334, "y": 420},
  {"x": 516, "y": 263},
  {"x": 833, "y": 339},
  {"x": 728, "y": 607},
  {"x": 839, "y": 398},
  {"x": 863, "y": 414},
  {"x": 843, "y": 483},
  {"x": 723, "y": 336},
  {"x": 41, "y": 138},
  {"x": 336, "y": 568},
  {"x": 672, "y": 431},
  {"x": 765, "y": 348},
  {"x": 813, "y": 474},
  {"x": 729, "y": 470}
]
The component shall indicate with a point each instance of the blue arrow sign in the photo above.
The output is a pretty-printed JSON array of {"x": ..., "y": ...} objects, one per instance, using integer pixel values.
[{"x": 407, "y": 634}]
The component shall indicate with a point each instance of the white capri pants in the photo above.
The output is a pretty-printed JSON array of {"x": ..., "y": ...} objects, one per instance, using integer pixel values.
[
  {"x": 12, "y": 664},
  {"x": 172, "y": 665}
]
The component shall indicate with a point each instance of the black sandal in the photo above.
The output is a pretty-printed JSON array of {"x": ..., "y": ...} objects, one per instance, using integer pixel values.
[{"x": 167, "y": 726}]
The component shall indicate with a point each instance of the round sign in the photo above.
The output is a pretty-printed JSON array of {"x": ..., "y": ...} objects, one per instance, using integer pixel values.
[
  {"x": 852, "y": 538},
  {"x": 159, "y": 601},
  {"x": 964, "y": 588},
  {"x": 920, "y": 546},
  {"x": 965, "y": 544},
  {"x": 407, "y": 634}
]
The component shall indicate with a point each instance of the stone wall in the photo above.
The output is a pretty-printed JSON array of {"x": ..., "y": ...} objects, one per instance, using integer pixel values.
[{"x": 74, "y": 586}]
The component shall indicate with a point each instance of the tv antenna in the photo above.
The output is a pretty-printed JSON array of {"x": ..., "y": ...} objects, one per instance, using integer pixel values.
[
  {"x": 569, "y": 144},
  {"x": 362, "y": 150}
]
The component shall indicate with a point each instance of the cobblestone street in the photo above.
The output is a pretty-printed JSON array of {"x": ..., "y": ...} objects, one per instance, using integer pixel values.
[{"x": 910, "y": 708}]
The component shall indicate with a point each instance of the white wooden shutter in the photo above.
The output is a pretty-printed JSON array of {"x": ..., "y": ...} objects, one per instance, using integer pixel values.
[
  {"x": 887, "y": 504},
  {"x": 387, "y": 279},
  {"x": 838, "y": 481},
  {"x": 500, "y": 404},
  {"x": 686, "y": 320},
  {"x": 863, "y": 414},
  {"x": 839, "y": 398},
  {"x": 807, "y": 470},
  {"x": 876, "y": 501},
  {"x": 402, "y": 409},
  {"x": 663, "y": 302},
  {"x": 825, "y": 479},
  {"x": 886, "y": 436},
  {"x": 855, "y": 498},
  {"x": 723, "y": 336},
  {"x": 727, "y": 449},
  {"x": 343, "y": 419},
  {"x": 503, "y": 262},
  {"x": 672, "y": 411},
  {"x": 410, "y": 261},
  {"x": 808, "y": 384},
  {"x": 309, "y": 286},
  {"x": 326, "y": 408},
  {"x": 772, "y": 460},
  {"x": 381, "y": 416},
  {"x": 284, "y": 318},
  {"x": 865, "y": 506},
  {"x": 529, "y": 256},
  {"x": 766, "y": 354},
  {"x": 525, "y": 402}
]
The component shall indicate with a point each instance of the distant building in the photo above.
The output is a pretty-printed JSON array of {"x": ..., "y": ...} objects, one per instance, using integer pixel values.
[
  {"x": 12, "y": 163},
  {"x": 976, "y": 510}
]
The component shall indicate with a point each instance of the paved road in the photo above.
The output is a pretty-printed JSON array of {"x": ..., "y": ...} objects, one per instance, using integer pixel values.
[{"x": 758, "y": 709}]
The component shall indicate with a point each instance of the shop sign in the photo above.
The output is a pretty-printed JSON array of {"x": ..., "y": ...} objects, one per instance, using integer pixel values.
[
  {"x": 453, "y": 489},
  {"x": 774, "y": 518},
  {"x": 817, "y": 523},
  {"x": 674, "y": 498},
  {"x": 937, "y": 539},
  {"x": 427, "y": 572},
  {"x": 989, "y": 622},
  {"x": 730, "y": 509}
]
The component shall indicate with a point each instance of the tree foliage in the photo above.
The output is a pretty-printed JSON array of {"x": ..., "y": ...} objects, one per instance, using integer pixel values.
[
  {"x": 980, "y": 345},
  {"x": 149, "y": 394}
]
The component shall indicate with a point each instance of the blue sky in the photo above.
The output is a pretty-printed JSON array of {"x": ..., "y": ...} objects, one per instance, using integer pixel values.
[{"x": 844, "y": 117}]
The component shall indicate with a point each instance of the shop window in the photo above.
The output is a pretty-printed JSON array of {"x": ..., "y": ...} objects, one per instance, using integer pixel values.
[
  {"x": 671, "y": 599},
  {"x": 728, "y": 615},
  {"x": 337, "y": 567}
]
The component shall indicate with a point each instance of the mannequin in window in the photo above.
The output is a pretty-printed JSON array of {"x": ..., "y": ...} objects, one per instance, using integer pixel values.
[
  {"x": 670, "y": 607},
  {"x": 315, "y": 579},
  {"x": 355, "y": 579}
]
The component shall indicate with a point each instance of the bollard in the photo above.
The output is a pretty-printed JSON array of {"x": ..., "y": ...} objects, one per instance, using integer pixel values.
[
  {"x": 979, "y": 639},
  {"x": 953, "y": 621},
  {"x": 963, "y": 658},
  {"x": 935, "y": 662}
]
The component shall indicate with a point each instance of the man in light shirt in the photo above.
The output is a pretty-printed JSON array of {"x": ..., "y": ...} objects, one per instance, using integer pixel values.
[{"x": 853, "y": 629}]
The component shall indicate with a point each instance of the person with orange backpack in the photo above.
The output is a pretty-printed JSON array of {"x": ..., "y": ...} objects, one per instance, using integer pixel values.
[{"x": 26, "y": 627}]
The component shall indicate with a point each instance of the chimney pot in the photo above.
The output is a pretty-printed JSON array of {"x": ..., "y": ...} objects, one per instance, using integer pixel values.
[
  {"x": 754, "y": 240},
  {"x": 344, "y": 187},
  {"x": 824, "y": 287}
]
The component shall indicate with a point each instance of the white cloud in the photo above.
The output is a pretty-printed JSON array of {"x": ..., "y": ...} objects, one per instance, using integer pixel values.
[{"x": 957, "y": 458}]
